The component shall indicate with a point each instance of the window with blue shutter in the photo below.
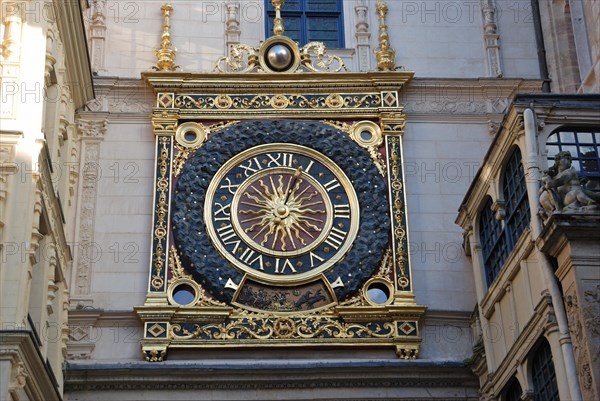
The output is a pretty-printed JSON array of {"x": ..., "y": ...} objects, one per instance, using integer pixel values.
[{"x": 310, "y": 21}]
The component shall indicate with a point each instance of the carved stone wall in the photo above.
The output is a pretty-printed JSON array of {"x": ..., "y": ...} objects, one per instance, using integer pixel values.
[
  {"x": 92, "y": 133},
  {"x": 573, "y": 240},
  {"x": 584, "y": 324}
]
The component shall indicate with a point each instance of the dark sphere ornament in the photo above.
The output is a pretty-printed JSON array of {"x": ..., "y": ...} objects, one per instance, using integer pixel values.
[{"x": 279, "y": 57}]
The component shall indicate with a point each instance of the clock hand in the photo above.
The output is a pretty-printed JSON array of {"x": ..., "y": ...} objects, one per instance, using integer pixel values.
[{"x": 290, "y": 188}]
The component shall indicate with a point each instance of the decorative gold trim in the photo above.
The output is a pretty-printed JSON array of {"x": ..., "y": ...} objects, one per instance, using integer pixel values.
[
  {"x": 160, "y": 224},
  {"x": 165, "y": 55},
  {"x": 198, "y": 129},
  {"x": 323, "y": 61},
  {"x": 183, "y": 152},
  {"x": 385, "y": 53},
  {"x": 236, "y": 61},
  {"x": 177, "y": 270},
  {"x": 179, "y": 276},
  {"x": 286, "y": 328},
  {"x": 354, "y": 131},
  {"x": 278, "y": 21},
  {"x": 339, "y": 102},
  {"x": 397, "y": 202}
]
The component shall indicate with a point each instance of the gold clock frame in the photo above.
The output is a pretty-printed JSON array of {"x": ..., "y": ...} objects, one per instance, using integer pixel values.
[
  {"x": 351, "y": 102},
  {"x": 294, "y": 148}
]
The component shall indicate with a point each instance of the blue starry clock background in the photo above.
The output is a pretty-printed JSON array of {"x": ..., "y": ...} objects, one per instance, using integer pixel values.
[{"x": 194, "y": 246}]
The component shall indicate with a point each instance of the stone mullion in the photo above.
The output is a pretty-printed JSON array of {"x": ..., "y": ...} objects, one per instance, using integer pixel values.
[
  {"x": 92, "y": 134},
  {"x": 232, "y": 24},
  {"x": 10, "y": 50},
  {"x": 363, "y": 36},
  {"x": 97, "y": 32},
  {"x": 491, "y": 38}
]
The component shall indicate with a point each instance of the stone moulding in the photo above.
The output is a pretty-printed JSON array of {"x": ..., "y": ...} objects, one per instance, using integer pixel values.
[{"x": 303, "y": 376}]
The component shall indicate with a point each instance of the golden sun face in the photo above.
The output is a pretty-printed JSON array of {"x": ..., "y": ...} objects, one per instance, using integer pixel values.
[{"x": 285, "y": 210}]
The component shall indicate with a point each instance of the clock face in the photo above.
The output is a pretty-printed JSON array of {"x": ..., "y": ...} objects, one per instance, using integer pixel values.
[
  {"x": 281, "y": 212},
  {"x": 266, "y": 211}
]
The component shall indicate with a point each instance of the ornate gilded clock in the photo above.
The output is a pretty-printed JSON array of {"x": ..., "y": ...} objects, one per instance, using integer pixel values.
[{"x": 280, "y": 216}]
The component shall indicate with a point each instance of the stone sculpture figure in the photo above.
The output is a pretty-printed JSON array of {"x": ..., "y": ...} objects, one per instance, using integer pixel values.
[{"x": 562, "y": 191}]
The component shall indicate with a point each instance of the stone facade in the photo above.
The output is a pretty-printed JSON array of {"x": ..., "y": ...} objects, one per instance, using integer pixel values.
[
  {"x": 77, "y": 172},
  {"x": 43, "y": 83}
]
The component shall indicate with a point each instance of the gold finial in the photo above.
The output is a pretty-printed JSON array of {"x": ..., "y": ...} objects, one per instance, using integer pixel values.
[
  {"x": 278, "y": 22},
  {"x": 385, "y": 54},
  {"x": 165, "y": 55}
]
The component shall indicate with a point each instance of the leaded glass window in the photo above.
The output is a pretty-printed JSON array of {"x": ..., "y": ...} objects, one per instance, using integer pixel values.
[
  {"x": 498, "y": 240},
  {"x": 310, "y": 21},
  {"x": 512, "y": 391},
  {"x": 584, "y": 146},
  {"x": 543, "y": 374},
  {"x": 493, "y": 242},
  {"x": 516, "y": 205}
]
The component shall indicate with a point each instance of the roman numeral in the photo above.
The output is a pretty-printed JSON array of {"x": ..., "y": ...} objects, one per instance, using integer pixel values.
[
  {"x": 281, "y": 159},
  {"x": 249, "y": 169},
  {"x": 247, "y": 255},
  {"x": 229, "y": 186},
  {"x": 286, "y": 264},
  {"x": 222, "y": 210},
  {"x": 341, "y": 211},
  {"x": 336, "y": 237},
  {"x": 226, "y": 233},
  {"x": 313, "y": 257},
  {"x": 307, "y": 169},
  {"x": 331, "y": 185}
]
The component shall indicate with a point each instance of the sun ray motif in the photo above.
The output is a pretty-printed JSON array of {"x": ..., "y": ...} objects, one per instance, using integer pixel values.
[{"x": 283, "y": 211}]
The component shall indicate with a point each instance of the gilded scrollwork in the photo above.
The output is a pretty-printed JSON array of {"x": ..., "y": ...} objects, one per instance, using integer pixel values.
[
  {"x": 354, "y": 130},
  {"x": 161, "y": 209},
  {"x": 282, "y": 327},
  {"x": 398, "y": 218},
  {"x": 177, "y": 270},
  {"x": 276, "y": 102},
  {"x": 242, "y": 58},
  {"x": 384, "y": 272},
  {"x": 178, "y": 274},
  {"x": 323, "y": 62},
  {"x": 184, "y": 152}
]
